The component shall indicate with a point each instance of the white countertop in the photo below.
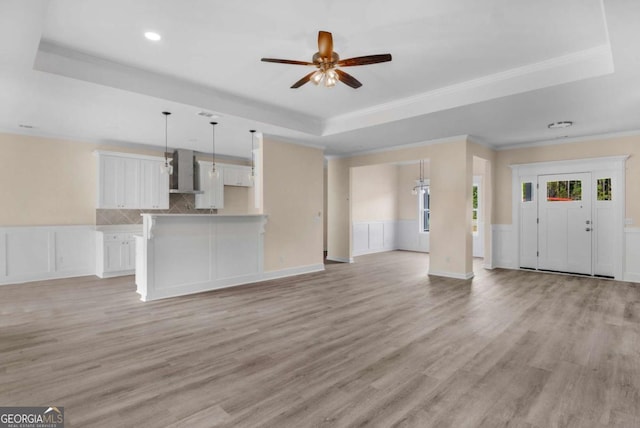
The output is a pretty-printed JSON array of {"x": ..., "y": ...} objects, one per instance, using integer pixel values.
[
  {"x": 203, "y": 215},
  {"x": 112, "y": 228}
]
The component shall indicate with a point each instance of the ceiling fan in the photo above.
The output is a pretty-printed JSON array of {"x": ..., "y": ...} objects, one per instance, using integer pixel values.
[{"x": 326, "y": 61}]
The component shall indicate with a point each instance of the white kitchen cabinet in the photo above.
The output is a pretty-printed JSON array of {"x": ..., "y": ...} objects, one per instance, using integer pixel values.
[
  {"x": 237, "y": 175},
  {"x": 118, "y": 182},
  {"x": 115, "y": 254},
  {"x": 212, "y": 188},
  {"x": 127, "y": 181},
  {"x": 154, "y": 185}
]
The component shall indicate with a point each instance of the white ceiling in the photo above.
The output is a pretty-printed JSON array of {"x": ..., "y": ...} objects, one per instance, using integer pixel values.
[{"x": 498, "y": 70}]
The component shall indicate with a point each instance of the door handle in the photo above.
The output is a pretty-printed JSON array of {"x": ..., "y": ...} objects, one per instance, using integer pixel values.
[
  {"x": 588, "y": 221},
  {"x": 588, "y": 229}
]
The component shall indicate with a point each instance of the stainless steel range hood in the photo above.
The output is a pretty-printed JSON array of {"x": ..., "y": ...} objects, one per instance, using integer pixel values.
[{"x": 185, "y": 173}]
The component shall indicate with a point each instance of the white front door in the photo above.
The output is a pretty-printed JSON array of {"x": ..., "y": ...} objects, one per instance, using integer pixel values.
[{"x": 565, "y": 224}]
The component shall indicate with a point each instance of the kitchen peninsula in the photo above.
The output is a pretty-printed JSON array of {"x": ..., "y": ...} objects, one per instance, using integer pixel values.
[{"x": 180, "y": 254}]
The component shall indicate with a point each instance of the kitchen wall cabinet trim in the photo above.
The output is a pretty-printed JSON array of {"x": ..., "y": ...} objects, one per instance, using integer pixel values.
[
  {"x": 127, "y": 181},
  {"x": 237, "y": 175}
]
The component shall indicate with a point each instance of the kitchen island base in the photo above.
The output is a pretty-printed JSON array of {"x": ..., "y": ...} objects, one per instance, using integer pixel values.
[{"x": 181, "y": 254}]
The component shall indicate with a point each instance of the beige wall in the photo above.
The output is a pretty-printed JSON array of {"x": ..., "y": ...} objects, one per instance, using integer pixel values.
[
  {"x": 339, "y": 209},
  {"x": 293, "y": 200},
  {"x": 236, "y": 200},
  {"x": 450, "y": 239},
  {"x": 585, "y": 149},
  {"x": 46, "y": 182},
  {"x": 452, "y": 162},
  {"x": 374, "y": 196}
]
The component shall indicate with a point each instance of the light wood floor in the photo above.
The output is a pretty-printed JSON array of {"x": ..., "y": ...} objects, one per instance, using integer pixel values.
[{"x": 376, "y": 343}]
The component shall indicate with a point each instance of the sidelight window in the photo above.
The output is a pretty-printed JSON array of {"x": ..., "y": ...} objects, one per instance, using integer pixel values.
[
  {"x": 423, "y": 198},
  {"x": 474, "y": 210},
  {"x": 527, "y": 192},
  {"x": 604, "y": 189}
]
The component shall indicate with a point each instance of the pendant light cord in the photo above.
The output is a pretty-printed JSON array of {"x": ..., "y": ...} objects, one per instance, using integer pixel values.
[
  {"x": 213, "y": 145},
  {"x": 166, "y": 128},
  {"x": 253, "y": 167}
]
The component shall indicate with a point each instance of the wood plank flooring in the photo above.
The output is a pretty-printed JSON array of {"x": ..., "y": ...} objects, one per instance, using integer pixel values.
[{"x": 376, "y": 343}]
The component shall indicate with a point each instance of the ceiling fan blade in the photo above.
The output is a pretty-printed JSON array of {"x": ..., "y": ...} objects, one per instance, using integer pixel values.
[
  {"x": 364, "y": 60},
  {"x": 325, "y": 44},
  {"x": 302, "y": 81},
  {"x": 348, "y": 79},
  {"x": 286, "y": 61}
]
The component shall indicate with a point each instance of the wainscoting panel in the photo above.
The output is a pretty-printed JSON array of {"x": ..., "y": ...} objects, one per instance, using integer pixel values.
[
  {"x": 503, "y": 246},
  {"x": 373, "y": 237},
  {"x": 409, "y": 237},
  {"x": 360, "y": 238},
  {"x": 33, "y": 253},
  {"x": 632, "y": 247}
]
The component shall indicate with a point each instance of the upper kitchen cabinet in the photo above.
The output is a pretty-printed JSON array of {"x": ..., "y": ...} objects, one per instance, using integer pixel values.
[
  {"x": 118, "y": 182},
  {"x": 212, "y": 187},
  {"x": 154, "y": 186},
  {"x": 131, "y": 182},
  {"x": 237, "y": 175}
]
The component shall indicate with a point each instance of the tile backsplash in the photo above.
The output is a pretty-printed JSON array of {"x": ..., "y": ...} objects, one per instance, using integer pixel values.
[{"x": 178, "y": 204}]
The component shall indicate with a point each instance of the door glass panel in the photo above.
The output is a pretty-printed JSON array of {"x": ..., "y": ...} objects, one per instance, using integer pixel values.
[
  {"x": 527, "y": 192},
  {"x": 564, "y": 191},
  {"x": 604, "y": 189}
]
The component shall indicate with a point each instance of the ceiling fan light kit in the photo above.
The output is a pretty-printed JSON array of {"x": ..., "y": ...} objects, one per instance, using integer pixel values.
[{"x": 326, "y": 61}]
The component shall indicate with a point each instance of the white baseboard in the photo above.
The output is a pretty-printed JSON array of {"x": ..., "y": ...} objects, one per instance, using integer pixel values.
[
  {"x": 206, "y": 286},
  {"x": 631, "y": 277},
  {"x": 48, "y": 276},
  {"x": 380, "y": 250},
  {"x": 340, "y": 259},
  {"x": 299, "y": 270},
  {"x": 115, "y": 274},
  {"x": 463, "y": 276}
]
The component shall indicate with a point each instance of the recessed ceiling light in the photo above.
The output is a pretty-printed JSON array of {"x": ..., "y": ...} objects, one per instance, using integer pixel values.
[
  {"x": 208, "y": 114},
  {"x": 559, "y": 125},
  {"x": 153, "y": 36}
]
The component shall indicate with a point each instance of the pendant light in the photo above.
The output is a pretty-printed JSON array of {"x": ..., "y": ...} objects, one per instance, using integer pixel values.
[
  {"x": 213, "y": 172},
  {"x": 166, "y": 168},
  {"x": 252, "y": 174},
  {"x": 422, "y": 185}
]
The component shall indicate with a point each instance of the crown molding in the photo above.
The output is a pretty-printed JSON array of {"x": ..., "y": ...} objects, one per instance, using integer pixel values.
[
  {"x": 560, "y": 141},
  {"x": 61, "y": 60},
  {"x": 596, "y": 61},
  {"x": 445, "y": 140}
]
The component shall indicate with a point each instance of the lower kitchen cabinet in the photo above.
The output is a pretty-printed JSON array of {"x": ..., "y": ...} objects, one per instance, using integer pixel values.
[{"x": 115, "y": 254}]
